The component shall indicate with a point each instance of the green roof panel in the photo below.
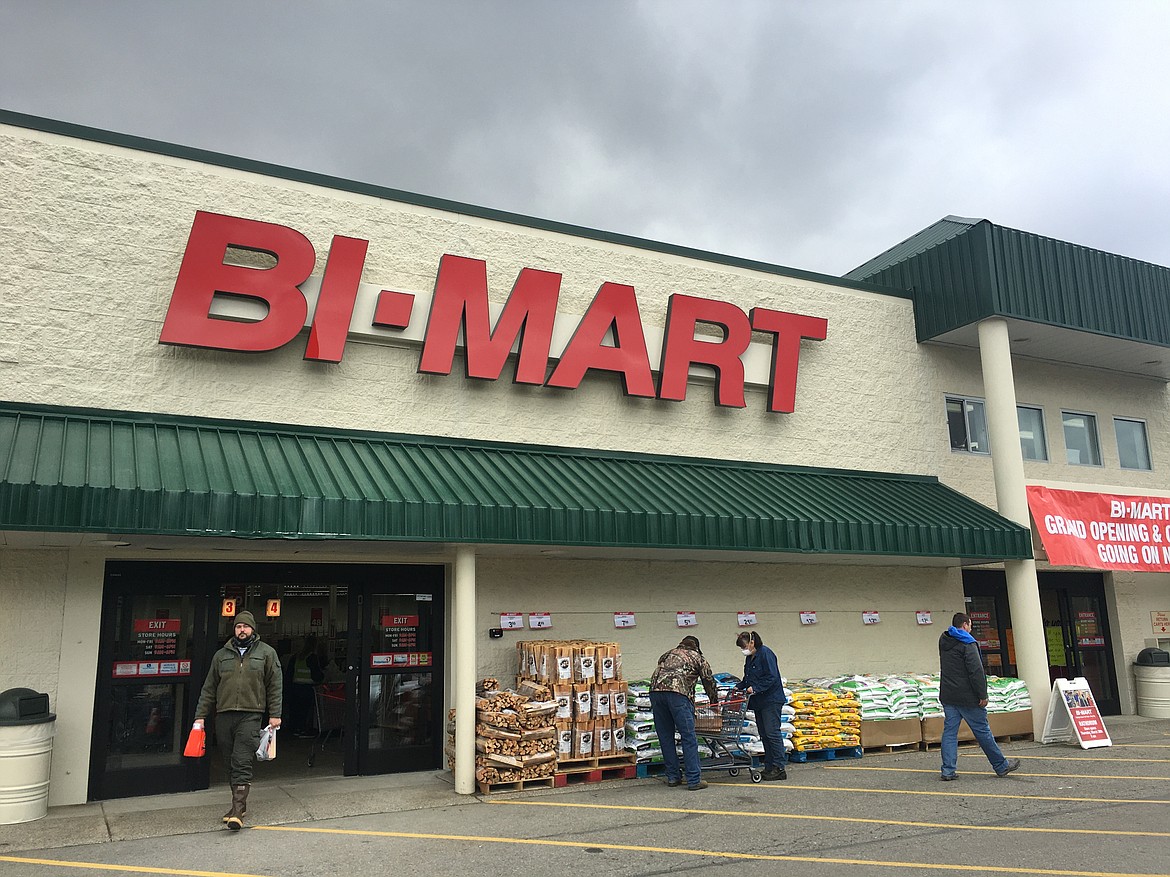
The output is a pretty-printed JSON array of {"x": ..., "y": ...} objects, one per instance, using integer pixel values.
[{"x": 116, "y": 472}]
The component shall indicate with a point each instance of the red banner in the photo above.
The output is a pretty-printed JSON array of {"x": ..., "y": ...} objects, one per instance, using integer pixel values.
[{"x": 1102, "y": 530}]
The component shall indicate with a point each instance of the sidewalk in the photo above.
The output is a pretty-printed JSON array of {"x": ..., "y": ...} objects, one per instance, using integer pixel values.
[
  {"x": 272, "y": 803},
  {"x": 304, "y": 800}
]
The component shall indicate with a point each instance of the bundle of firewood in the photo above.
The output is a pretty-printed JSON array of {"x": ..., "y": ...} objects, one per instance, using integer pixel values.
[{"x": 514, "y": 734}]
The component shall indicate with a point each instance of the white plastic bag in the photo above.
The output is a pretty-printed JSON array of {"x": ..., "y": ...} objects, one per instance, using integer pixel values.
[{"x": 266, "y": 751}]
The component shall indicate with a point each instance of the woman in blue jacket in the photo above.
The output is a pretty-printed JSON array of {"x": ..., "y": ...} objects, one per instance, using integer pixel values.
[{"x": 765, "y": 689}]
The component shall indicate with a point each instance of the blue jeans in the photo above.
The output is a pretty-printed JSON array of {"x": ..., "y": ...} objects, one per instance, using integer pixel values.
[
  {"x": 768, "y": 720},
  {"x": 675, "y": 712},
  {"x": 976, "y": 718}
]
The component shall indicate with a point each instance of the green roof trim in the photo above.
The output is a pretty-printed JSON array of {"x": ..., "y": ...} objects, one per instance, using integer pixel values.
[
  {"x": 962, "y": 271},
  {"x": 127, "y": 473}
]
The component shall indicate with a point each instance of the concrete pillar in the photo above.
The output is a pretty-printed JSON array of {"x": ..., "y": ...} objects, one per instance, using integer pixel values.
[
  {"x": 463, "y": 653},
  {"x": 1007, "y": 461}
]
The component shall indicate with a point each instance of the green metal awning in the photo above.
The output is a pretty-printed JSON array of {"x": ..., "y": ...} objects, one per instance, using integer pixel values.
[{"x": 115, "y": 472}]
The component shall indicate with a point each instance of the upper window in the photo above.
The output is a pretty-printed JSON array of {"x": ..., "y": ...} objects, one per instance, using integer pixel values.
[
  {"x": 1032, "y": 441},
  {"x": 1133, "y": 447},
  {"x": 1080, "y": 439},
  {"x": 967, "y": 424}
]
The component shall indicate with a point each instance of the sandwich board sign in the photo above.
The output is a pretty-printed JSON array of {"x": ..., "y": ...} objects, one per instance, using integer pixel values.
[{"x": 1073, "y": 715}]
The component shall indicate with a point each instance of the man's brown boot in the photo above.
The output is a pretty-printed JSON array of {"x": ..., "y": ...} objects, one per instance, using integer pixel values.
[
  {"x": 228, "y": 815},
  {"x": 235, "y": 816}
]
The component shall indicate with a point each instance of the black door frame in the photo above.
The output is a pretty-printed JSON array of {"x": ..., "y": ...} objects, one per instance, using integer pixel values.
[
  {"x": 203, "y": 581},
  {"x": 1062, "y": 584}
]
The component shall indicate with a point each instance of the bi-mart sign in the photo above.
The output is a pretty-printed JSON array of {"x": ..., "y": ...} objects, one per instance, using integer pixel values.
[{"x": 226, "y": 306}]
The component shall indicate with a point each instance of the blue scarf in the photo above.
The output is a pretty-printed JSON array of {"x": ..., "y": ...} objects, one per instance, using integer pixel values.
[{"x": 960, "y": 634}]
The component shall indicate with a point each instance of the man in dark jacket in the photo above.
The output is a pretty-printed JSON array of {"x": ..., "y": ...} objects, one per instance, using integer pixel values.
[
  {"x": 963, "y": 694},
  {"x": 672, "y": 700},
  {"x": 243, "y": 685}
]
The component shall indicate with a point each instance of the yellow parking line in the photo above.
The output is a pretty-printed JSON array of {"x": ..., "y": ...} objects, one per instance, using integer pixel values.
[
  {"x": 748, "y": 813},
  {"x": 1070, "y": 758},
  {"x": 125, "y": 869},
  {"x": 717, "y": 854},
  {"x": 1061, "y": 776},
  {"x": 1015, "y": 797}
]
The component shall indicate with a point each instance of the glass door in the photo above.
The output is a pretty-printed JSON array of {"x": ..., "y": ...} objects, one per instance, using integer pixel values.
[
  {"x": 154, "y": 639},
  {"x": 395, "y": 668},
  {"x": 1076, "y": 626}
]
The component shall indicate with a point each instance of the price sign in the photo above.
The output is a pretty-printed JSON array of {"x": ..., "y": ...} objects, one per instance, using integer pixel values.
[
  {"x": 624, "y": 619},
  {"x": 539, "y": 620},
  {"x": 745, "y": 619},
  {"x": 511, "y": 620},
  {"x": 685, "y": 619},
  {"x": 808, "y": 618},
  {"x": 922, "y": 616},
  {"x": 871, "y": 616}
]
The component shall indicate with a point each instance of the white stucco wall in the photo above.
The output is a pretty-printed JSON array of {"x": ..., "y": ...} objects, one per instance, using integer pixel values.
[
  {"x": 94, "y": 237},
  {"x": 583, "y": 595}
]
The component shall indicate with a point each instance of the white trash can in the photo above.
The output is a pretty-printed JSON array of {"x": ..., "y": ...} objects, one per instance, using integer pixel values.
[
  {"x": 26, "y": 752},
  {"x": 1153, "y": 691}
]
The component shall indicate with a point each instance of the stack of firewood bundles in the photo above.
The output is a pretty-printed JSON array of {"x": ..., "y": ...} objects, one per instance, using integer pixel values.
[
  {"x": 590, "y": 694},
  {"x": 515, "y": 738}
]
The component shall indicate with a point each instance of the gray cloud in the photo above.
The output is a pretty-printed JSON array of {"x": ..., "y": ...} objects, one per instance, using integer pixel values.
[{"x": 813, "y": 135}]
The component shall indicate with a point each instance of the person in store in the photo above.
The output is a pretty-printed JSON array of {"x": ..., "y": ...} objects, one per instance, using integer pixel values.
[
  {"x": 672, "y": 700},
  {"x": 765, "y": 689},
  {"x": 243, "y": 685},
  {"x": 304, "y": 671},
  {"x": 963, "y": 694}
]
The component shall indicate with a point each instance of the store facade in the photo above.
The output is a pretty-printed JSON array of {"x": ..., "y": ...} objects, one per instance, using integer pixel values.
[{"x": 415, "y": 432}]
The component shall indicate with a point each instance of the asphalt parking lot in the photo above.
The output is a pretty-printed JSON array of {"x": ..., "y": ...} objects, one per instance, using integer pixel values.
[{"x": 1067, "y": 811}]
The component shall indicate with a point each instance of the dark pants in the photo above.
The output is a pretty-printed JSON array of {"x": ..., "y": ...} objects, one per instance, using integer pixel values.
[
  {"x": 675, "y": 712},
  {"x": 238, "y": 735},
  {"x": 768, "y": 721}
]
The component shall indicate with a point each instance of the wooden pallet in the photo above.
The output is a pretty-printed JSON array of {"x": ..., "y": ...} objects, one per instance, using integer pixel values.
[
  {"x": 547, "y": 782},
  {"x": 1002, "y": 738},
  {"x": 891, "y": 748},
  {"x": 594, "y": 770},
  {"x": 801, "y": 756}
]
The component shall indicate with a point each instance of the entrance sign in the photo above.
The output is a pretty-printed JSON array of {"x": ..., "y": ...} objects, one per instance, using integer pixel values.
[
  {"x": 1073, "y": 714},
  {"x": 1102, "y": 530},
  {"x": 225, "y": 306}
]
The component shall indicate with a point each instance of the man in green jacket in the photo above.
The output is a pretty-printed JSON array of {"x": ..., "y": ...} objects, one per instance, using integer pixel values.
[{"x": 242, "y": 686}]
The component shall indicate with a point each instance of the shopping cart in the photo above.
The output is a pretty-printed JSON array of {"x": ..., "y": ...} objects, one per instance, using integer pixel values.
[
  {"x": 721, "y": 726},
  {"x": 329, "y": 702}
]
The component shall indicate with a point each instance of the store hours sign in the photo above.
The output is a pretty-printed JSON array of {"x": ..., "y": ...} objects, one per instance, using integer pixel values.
[
  {"x": 1102, "y": 530},
  {"x": 249, "y": 308}
]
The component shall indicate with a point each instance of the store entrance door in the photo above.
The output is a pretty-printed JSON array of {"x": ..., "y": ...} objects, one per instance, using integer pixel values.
[
  {"x": 375, "y": 628},
  {"x": 396, "y": 671},
  {"x": 152, "y": 657},
  {"x": 1076, "y": 627}
]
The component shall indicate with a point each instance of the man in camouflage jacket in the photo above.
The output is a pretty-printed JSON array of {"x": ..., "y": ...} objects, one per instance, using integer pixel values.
[{"x": 672, "y": 700}]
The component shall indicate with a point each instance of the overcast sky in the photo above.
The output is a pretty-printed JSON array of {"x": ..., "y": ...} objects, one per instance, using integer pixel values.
[{"x": 811, "y": 134}]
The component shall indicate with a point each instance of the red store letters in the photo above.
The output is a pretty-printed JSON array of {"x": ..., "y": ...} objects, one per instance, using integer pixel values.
[{"x": 460, "y": 303}]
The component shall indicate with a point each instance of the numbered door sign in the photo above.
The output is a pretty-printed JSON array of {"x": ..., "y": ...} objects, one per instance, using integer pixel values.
[
  {"x": 228, "y": 609},
  {"x": 272, "y": 609}
]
